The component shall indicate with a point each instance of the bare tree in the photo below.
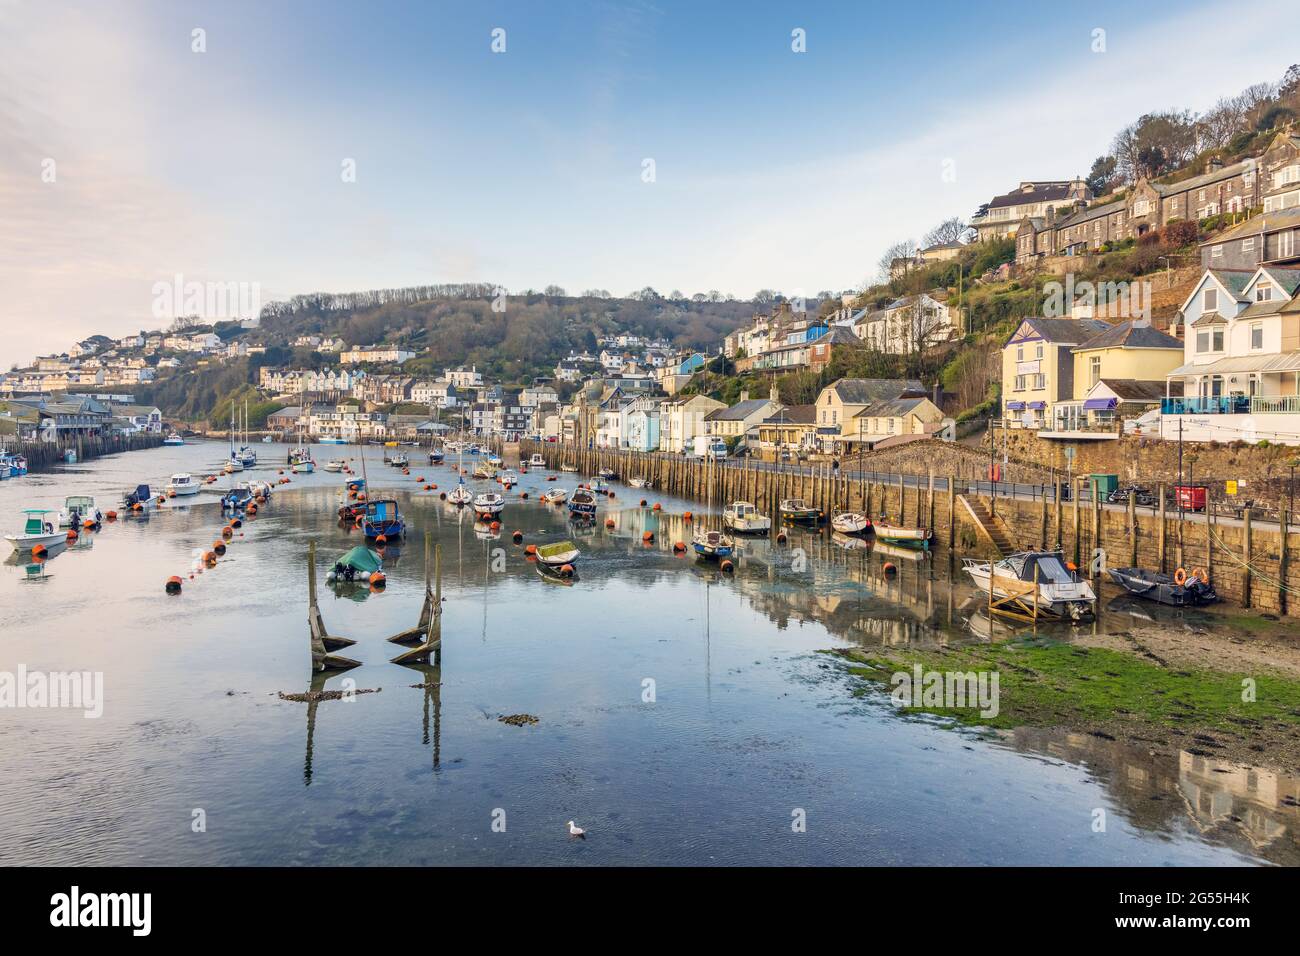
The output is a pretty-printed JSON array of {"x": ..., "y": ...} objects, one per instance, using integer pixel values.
[
  {"x": 903, "y": 249},
  {"x": 949, "y": 231}
]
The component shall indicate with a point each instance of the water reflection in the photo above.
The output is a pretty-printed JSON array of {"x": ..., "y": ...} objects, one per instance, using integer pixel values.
[{"x": 737, "y": 728}]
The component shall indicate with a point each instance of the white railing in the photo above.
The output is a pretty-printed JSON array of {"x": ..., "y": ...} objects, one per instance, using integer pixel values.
[{"x": 1277, "y": 405}]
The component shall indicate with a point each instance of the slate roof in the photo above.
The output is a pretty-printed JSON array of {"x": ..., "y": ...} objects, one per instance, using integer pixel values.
[
  {"x": 1131, "y": 335},
  {"x": 863, "y": 391}
]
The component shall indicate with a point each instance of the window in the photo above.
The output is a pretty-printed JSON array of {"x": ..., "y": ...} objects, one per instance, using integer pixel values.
[
  {"x": 1094, "y": 370},
  {"x": 1141, "y": 207},
  {"x": 1247, "y": 245},
  {"x": 1216, "y": 252},
  {"x": 1202, "y": 341},
  {"x": 1020, "y": 353},
  {"x": 1217, "y": 337},
  {"x": 1038, "y": 350},
  {"x": 1040, "y": 381},
  {"x": 1020, "y": 383},
  {"x": 1256, "y": 335},
  {"x": 1285, "y": 245},
  {"x": 1263, "y": 293},
  {"x": 1201, "y": 197}
]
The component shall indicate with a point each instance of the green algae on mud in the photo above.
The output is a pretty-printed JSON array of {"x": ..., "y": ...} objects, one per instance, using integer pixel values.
[{"x": 1110, "y": 694}]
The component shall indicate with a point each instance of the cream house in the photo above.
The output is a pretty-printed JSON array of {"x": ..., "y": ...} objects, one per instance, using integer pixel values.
[
  {"x": 1132, "y": 353},
  {"x": 840, "y": 401},
  {"x": 1038, "y": 367},
  {"x": 894, "y": 419},
  {"x": 680, "y": 421},
  {"x": 1241, "y": 360}
]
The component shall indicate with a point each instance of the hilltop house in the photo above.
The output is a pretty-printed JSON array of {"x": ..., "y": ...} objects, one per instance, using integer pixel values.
[
  {"x": 1272, "y": 238},
  {"x": 1001, "y": 216},
  {"x": 909, "y": 325}
]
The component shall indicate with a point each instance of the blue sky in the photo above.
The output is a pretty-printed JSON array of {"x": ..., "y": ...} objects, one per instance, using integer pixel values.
[{"x": 772, "y": 168}]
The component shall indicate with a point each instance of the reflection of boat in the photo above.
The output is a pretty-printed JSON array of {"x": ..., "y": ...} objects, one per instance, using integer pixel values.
[
  {"x": 885, "y": 549},
  {"x": 183, "y": 484},
  {"x": 36, "y": 531},
  {"x": 173, "y": 438},
  {"x": 1033, "y": 578},
  {"x": 582, "y": 504},
  {"x": 850, "y": 522},
  {"x": 895, "y": 534},
  {"x": 1194, "y": 590},
  {"x": 598, "y": 485},
  {"x": 78, "y": 510},
  {"x": 556, "y": 496},
  {"x": 712, "y": 544},
  {"x": 743, "y": 517},
  {"x": 796, "y": 510},
  {"x": 488, "y": 504},
  {"x": 552, "y": 575},
  {"x": 558, "y": 554},
  {"x": 849, "y": 542}
]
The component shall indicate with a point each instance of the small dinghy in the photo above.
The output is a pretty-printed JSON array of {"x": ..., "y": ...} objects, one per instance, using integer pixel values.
[
  {"x": 508, "y": 478},
  {"x": 36, "y": 531},
  {"x": 556, "y": 496},
  {"x": 850, "y": 522},
  {"x": 743, "y": 517},
  {"x": 237, "y": 498},
  {"x": 712, "y": 544},
  {"x": 335, "y": 464},
  {"x": 582, "y": 505},
  {"x": 609, "y": 474},
  {"x": 558, "y": 553},
  {"x": 896, "y": 534},
  {"x": 1180, "y": 589},
  {"x": 140, "y": 496},
  {"x": 796, "y": 511}
]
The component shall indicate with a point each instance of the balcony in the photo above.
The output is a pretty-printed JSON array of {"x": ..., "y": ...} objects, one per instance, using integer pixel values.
[
  {"x": 1232, "y": 405},
  {"x": 1220, "y": 405}
]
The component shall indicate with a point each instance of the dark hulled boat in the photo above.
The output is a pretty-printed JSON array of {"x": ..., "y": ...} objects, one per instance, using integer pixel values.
[{"x": 1194, "y": 590}]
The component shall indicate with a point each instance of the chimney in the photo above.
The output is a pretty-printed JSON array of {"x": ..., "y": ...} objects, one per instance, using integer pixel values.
[
  {"x": 775, "y": 394},
  {"x": 744, "y": 394},
  {"x": 1051, "y": 214},
  {"x": 1214, "y": 164},
  {"x": 938, "y": 395}
]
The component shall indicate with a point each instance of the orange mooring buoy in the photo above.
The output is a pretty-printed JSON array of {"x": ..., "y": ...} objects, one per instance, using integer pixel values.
[
  {"x": 726, "y": 566},
  {"x": 173, "y": 585}
]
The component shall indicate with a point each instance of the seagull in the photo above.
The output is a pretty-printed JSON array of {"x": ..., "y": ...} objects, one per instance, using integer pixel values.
[{"x": 577, "y": 831}]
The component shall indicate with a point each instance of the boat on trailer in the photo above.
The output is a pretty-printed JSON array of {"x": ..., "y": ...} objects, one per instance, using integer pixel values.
[
  {"x": 851, "y": 522},
  {"x": 1027, "y": 580},
  {"x": 797, "y": 511},
  {"x": 1193, "y": 590},
  {"x": 36, "y": 531},
  {"x": 743, "y": 517}
]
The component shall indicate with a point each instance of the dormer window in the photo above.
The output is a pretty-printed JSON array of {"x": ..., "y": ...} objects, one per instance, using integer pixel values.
[
  {"x": 1263, "y": 293},
  {"x": 1210, "y": 300}
]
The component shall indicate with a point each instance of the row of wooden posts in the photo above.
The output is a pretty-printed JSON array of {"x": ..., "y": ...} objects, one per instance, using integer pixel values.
[{"x": 44, "y": 456}]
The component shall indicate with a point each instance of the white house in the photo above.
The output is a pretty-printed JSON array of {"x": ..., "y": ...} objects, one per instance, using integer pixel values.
[
  {"x": 681, "y": 420},
  {"x": 1241, "y": 360}
]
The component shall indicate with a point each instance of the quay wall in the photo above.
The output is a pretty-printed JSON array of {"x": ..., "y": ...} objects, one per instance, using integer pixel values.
[
  {"x": 1249, "y": 562},
  {"x": 43, "y": 456}
]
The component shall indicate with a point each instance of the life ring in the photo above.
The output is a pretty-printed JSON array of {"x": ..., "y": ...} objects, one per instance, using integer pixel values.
[
  {"x": 1201, "y": 575},
  {"x": 1180, "y": 577}
]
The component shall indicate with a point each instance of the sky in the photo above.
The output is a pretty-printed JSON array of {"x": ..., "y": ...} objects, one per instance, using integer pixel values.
[{"x": 608, "y": 145}]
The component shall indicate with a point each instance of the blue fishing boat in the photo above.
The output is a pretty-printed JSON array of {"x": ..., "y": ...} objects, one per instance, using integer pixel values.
[
  {"x": 582, "y": 505},
  {"x": 712, "y": 544},
  {"x": 382, "y": 518}
]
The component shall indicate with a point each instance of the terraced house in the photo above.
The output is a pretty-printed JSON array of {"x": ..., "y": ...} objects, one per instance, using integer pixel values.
[
  {"x": 1038, "y": 368},
  {"x": 1001, "y": 216}
]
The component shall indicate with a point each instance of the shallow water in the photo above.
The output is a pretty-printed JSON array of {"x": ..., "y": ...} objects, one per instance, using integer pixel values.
[{"x": 748, "y": 724}]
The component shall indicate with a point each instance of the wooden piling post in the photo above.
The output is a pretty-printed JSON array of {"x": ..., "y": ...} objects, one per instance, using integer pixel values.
[
  {"x": 1247, "y": 573},
  {"x": 1160, "y": 526}
]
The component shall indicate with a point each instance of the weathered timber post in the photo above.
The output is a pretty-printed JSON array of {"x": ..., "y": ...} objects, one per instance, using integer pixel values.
[
  {"x": 1132, "y": 528},
  {"x": 1246, "y": 569},
  {"x": 1160, "y": 524}
]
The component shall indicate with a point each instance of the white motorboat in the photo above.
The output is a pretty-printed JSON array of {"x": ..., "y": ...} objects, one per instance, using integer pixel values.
[
  {"x": 850, "y": 522},
  {"x": 598, "y": 485},
  {"x": 232, "y": 466},
  {"x": 1029, "y": 578},
  {"x": 173, "y": 438},
  {"x": 743, "y": 517},
  {"x": 303, "y": 466},
  {"x": 556, "y": 496},
  {"x": 536, "y": 461},
  {"x": 508, "y": 477},
  {"x": 639, "y": 482},
  {"x": 335, "y": 464},
  {"x": 488, "y": 504},
  {"x": 36, "y": 531},
  {"x": 78, "y": 511},
  {"x": 460, "y": 495},
  {"x": 183, "y": 485}
]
